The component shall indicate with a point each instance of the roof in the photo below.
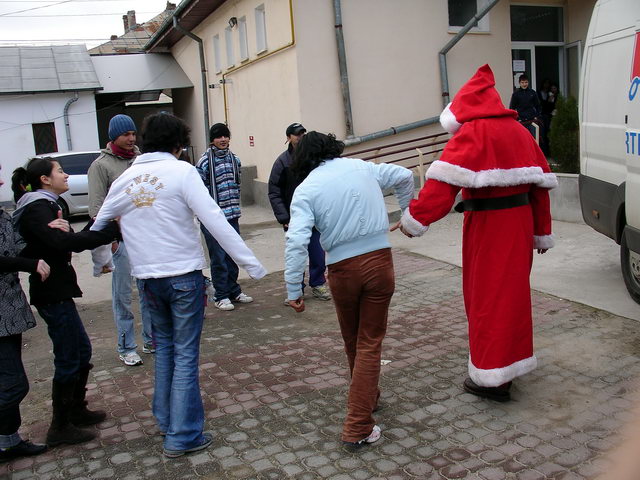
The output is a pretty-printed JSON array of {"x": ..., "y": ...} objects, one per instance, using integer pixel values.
[
  {"x": 57, "y": 68},
  {"x": 149, "y": 72},
  {"x": 190, "y": 14},
  {"x": 134, "y": 40}
]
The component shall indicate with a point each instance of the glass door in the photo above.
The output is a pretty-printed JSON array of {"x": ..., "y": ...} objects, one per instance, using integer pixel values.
[
  {"x": 572, "y": 56},
  {"x": 522, "y": 61}
]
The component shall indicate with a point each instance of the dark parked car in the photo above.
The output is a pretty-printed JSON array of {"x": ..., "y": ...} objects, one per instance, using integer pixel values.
[{"x": 76, "y": 164}]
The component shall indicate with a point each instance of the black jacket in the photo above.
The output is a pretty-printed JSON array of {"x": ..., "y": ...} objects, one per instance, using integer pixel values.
[
  {"x": 282, "y": 184},
  {"x": 526, "y": 103},
  {"x": 55, "y": 246}
]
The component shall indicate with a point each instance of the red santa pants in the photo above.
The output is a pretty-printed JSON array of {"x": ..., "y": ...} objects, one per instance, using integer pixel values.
[{"x": 362, "y": 288}]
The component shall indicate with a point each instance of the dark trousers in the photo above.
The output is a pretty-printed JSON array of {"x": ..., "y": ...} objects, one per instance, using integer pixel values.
[
  {"x": 317, "y": 264},
  {"x": 362, "y": 288},
  {"x": 71, "y": 344},
  {"x": 224, "y": 271},
  {"x": 14, "y": 385}
]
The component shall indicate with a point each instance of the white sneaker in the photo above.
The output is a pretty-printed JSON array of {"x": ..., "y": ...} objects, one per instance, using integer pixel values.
[
  {"x": 224, "y": 304},
  {"x": 242, "y": 298},
  {"x": 131, "y": 359},
  {"x": 373, "y": 437}
]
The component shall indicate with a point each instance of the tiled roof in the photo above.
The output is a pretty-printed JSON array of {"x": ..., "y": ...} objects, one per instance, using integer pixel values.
[{"x": 46, "y": 69}]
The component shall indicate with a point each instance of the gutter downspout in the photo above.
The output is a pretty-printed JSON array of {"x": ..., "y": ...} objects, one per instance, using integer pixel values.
[
  {"x": 442, "y": 54},
  {"x": 251, "y": 62},
  {"x": 342, "y": 62},
  {"x": 444, "y": 79},
  {"x": 203, "y": 74},
  {"x": 65, "y": 114}
]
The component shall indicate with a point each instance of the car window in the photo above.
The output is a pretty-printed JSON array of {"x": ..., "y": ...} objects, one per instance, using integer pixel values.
[{"x": 77, "y": 164}]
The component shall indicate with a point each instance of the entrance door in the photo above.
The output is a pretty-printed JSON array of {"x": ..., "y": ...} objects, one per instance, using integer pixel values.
[{"x": 522, "y": 61}]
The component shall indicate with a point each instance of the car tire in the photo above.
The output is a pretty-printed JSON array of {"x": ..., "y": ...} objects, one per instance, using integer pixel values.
[
  {"x": 630, "y": 262},
  {"x": 64, "y": 207}
]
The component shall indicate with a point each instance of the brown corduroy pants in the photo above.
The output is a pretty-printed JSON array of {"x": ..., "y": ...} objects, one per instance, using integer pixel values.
[{"x": 362, "y": 288}]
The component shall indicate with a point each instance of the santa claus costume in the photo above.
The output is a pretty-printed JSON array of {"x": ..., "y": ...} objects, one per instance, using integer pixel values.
[{"x": 505, "y": 181}]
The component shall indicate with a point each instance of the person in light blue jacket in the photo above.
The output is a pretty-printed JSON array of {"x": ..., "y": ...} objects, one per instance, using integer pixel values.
[{"x": 342, "y": 198}]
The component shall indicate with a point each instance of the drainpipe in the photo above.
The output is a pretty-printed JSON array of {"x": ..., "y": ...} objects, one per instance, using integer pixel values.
[
  {"x": 203, "y": 74},
  {"x": 442, "y": 54},
  {"x": 444, "y": 79},
  {"x": 342, "y": 62},
  {"x": 67, "y": 128}
]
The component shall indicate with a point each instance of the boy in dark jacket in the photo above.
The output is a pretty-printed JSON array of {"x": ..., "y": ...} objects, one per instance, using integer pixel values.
[
  {"x": 282, "y": 184},
  {"x": 525, "y": 101}
]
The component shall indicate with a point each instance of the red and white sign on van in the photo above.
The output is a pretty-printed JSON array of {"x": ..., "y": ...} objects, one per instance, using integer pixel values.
[{"x": 635, "y": 69}]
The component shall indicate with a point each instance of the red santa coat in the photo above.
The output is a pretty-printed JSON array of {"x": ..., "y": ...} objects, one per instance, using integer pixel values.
[{"x": 491, "y": 155}]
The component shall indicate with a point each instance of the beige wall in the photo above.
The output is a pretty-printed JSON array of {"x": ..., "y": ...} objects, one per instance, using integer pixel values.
[
  {"x": 261, "y": 92},
  {"x": 392, "y": 58}
]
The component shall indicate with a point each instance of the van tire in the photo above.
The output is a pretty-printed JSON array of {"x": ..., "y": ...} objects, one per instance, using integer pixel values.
[
  {"x": 630, "y": 269},
  {"x": 64, "y": 207}
]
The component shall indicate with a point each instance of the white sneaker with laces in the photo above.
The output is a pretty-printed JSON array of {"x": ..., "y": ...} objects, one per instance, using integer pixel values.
[
  {"x": 242, "y": 298},
  {"x": 224, "y": 304},
  {"x": 131, "y": 359}
]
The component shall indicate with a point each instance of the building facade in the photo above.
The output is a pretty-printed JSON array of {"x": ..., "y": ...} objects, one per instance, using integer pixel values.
[{"x": 356, "y": 68}]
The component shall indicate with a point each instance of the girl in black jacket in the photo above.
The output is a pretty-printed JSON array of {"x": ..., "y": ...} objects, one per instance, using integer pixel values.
[{"x": 37, "y": 189}]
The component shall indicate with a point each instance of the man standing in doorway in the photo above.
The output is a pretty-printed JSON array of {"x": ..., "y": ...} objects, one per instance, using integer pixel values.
[
  {"x": 119, "y": 154},
  {"x": 282, "y": 184},
  {"x": 220, "y": 171},
  {"x": 525, "y": 101}
]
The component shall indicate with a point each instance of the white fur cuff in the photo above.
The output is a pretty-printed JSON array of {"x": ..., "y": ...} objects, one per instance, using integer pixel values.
[
  {"x": 543, "y": 241},
  {"x": 411, "y": 225},
  {"x": 497, "y": 376}
]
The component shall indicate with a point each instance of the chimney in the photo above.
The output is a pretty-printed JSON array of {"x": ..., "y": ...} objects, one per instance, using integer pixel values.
[
  {"x": 170, "y": 7},
  {"x": 131, "y": 19},
  {"x": 125, "y": 20},
  {"x": 113, "y": 37}
]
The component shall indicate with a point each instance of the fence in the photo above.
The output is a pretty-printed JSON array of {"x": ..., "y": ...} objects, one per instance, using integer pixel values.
[{"x": 417, "y": 153}]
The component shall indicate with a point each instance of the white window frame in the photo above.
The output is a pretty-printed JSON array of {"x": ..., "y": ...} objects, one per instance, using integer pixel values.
[
  {"x": 261, "y": 29},
  {"x": 217, "y": 60},
  {"x": 228, "y": 40},
  {"x": 483, "y": 25},
  {"x": 242, "y": 33}
]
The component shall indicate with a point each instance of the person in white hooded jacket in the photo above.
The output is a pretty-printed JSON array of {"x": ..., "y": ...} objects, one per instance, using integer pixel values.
[{"x": 156, "y": 200}]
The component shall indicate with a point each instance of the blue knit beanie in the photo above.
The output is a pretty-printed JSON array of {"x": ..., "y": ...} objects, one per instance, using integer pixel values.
[{"x": 120, "y": 124}]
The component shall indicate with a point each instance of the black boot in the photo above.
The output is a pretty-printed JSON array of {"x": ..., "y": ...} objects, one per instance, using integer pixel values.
[
  {"x": 79, "y": 414},
  {"x": 61, "y": 429}
]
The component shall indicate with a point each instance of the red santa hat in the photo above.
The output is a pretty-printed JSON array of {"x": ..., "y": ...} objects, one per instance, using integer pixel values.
[{"x": 477, "y": 98}]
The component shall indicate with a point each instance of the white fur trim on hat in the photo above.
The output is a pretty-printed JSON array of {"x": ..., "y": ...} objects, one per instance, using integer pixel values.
[
  {"x": 448, "y": 120},
  {"x": 411, "y": 225},
  {"x": 543, "y": 241},
  {"x": 495, "y": 377},
  {"x": 497, "y": 177}
]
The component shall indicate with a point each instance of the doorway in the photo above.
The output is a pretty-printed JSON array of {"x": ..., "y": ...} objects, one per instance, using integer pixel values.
[{"x": 537, "y": 45}]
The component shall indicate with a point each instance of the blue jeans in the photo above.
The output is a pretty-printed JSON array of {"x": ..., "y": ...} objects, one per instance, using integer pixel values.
[
  {"x": 14, "y": 386},
  {"x": 224, "y": 271},
  {"x": 176, "y": 305},
  {"x": 71, "y": 345},
  {"x": 316, "y": 261},
  {"x": 121, "y": 303}
]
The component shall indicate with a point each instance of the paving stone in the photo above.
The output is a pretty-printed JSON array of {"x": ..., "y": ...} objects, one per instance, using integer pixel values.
[{"x": 274, "y": 387}]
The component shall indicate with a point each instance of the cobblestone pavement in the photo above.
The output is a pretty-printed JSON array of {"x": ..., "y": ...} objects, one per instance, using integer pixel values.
[{"x": 274, "y": 385}]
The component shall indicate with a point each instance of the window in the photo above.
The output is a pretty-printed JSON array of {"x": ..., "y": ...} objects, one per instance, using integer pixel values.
[
  {"x": 261, "y": 29},
  {"x": 228, "y": 40},
  {"x": 77, "y": 164},
  {"x": 536, "y": 24},
  {"x": 216, "y": 54},
  {"x": 44, "y": 138},
  {"x": 461, "y": 11},
  {"x": 242, "y": 31}
]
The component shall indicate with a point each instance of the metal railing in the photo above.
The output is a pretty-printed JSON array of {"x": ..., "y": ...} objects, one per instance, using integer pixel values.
[{"x": 424, "y": 151}]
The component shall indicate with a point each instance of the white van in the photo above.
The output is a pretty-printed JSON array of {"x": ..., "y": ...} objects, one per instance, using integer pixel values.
[{"x": 609, "y": 112}]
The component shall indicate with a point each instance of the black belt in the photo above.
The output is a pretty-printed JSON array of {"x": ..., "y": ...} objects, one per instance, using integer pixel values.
[{"x": 496, "y": 203}]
